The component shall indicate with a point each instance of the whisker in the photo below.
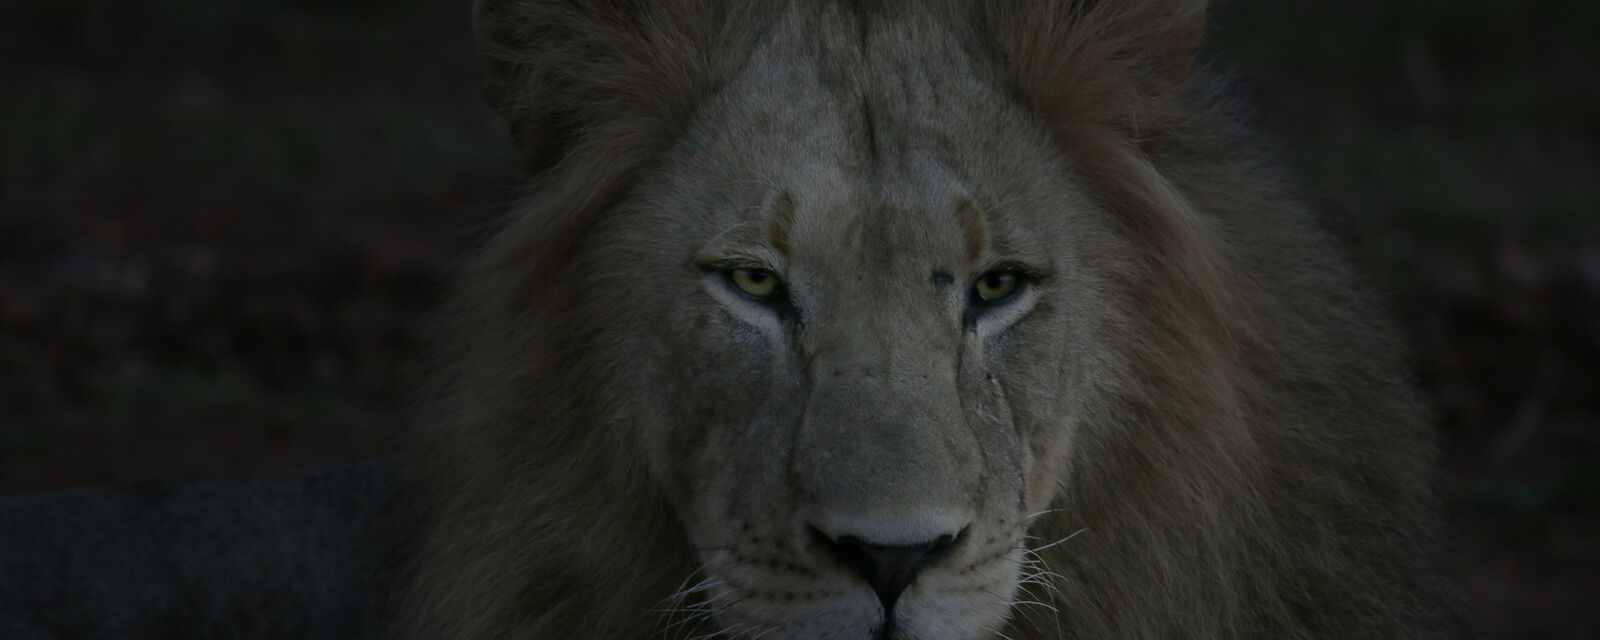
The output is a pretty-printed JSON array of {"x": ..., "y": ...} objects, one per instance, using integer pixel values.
[
  {"x": 1048, "y": 581},
  {"x": 730, "y": 632},
  {"x": 769, "y": 629},
  {"x": 1037, "y": 574},
  {"x": 1069, "y": 537},
  {"x": 1035, "y": 603},
  {"x": 689, "y": 615},
  {"x": 1027, "y": 614}
]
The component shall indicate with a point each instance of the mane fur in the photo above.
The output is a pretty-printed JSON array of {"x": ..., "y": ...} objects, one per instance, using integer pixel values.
[
  {"x": 1246, "y": 433},
  {"x": 553, "y": 532}
]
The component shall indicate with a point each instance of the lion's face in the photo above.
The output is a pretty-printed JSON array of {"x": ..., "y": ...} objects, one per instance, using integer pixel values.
[
  {"x": 866, "y": 287},
  {"x": 832, "y": 320}
]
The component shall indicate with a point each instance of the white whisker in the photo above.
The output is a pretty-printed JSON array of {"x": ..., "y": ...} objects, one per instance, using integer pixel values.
[
  {"x": 1069, "y": 537},
  {"x": 1031, "y": 516}
]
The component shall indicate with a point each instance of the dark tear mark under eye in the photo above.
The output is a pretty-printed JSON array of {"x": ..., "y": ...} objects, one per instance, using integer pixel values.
[
  {"x": 942, "y": 277},
  {"x": 872, "y": 132}
]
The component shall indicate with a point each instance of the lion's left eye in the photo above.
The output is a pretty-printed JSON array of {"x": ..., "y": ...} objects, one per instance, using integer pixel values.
[
  {"x": 996, "y": 286},
  {"x": 760, "y": 284}
]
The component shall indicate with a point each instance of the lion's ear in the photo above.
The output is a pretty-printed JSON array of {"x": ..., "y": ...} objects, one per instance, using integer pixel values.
[
  {"x": 1087, "y": 63},
  {"x": 1106, "y": 77},
  {"x": 570, "y": 75},
  {"x": 509, "y": 37}
]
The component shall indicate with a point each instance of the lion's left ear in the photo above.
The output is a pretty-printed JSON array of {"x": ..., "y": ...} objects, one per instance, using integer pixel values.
[
  {"x": 593, "y": 90},
  {"x": 1090, "y": 63},
  {"x": 613, "y": 77},
  {"x": 1106, "y": 77}
]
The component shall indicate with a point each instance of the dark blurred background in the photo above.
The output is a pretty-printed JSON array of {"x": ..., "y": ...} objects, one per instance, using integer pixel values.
[{"x": 224, "y": 226}]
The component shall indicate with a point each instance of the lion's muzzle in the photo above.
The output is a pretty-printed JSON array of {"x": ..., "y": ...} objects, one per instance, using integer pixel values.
[{"x": 887, "y": 569}]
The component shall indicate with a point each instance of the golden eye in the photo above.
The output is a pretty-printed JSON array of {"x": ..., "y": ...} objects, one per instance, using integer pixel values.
[
  {"x": 996, "y": 286},
  {"x": 756, "y": 283}
]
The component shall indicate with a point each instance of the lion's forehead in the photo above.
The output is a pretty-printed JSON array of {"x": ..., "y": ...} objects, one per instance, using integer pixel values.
[{"x": 882, "y": 140}]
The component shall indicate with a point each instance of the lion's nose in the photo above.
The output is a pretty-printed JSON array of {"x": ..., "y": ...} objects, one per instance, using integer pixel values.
[{"x": 889, "y": 569}]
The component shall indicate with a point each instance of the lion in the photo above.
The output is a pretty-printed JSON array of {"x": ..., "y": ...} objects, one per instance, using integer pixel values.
[{"x": 908, "y": 321}]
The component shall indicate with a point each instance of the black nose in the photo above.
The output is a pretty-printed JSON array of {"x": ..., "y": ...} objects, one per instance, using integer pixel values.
[{"x": 888, "y": 569}]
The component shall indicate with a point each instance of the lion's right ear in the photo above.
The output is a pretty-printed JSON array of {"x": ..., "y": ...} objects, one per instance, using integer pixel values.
[
  {"x": 609, "y": 76},
  {"x": 1084, "y": 64}
]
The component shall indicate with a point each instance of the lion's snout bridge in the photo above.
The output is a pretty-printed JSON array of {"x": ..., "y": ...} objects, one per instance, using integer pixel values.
[{"x": 887, "y": 471}]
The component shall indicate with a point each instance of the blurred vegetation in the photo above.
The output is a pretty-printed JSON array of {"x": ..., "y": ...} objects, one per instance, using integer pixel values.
[
  {"x": 1459, "y": 144},
  {"x": 223, "y": 226},
  {"x": 1463, "y": 118}
]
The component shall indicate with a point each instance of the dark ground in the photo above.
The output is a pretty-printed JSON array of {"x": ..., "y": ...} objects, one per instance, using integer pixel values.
[{"x": 224, "y": 224}]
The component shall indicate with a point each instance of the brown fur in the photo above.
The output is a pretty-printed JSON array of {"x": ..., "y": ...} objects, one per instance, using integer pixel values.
[{"x": 1234, "y": 452}]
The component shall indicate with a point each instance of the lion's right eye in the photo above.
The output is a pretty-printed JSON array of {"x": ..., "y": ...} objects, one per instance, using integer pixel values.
[
  {"x": 758, "y": 284},
  {"x": 996, "y": 286}
]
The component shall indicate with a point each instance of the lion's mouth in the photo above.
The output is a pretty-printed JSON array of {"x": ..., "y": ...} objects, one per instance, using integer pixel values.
[
  {"x": 944, "y": 603},
  {"x": 886, "y": 631},
  {"x": 889, "y": 570}
]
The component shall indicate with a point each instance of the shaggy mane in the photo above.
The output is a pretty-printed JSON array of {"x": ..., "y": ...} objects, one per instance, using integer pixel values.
[{"x": 1226, "y": 509}]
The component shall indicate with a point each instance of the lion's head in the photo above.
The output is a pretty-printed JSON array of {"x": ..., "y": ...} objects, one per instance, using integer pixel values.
[{"x": 842, "y": 320}]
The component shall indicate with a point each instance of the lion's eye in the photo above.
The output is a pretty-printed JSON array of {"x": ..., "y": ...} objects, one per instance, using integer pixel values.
[
  {"x": 996, "y": 286},
  {"x": 756, "y": 283}
]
